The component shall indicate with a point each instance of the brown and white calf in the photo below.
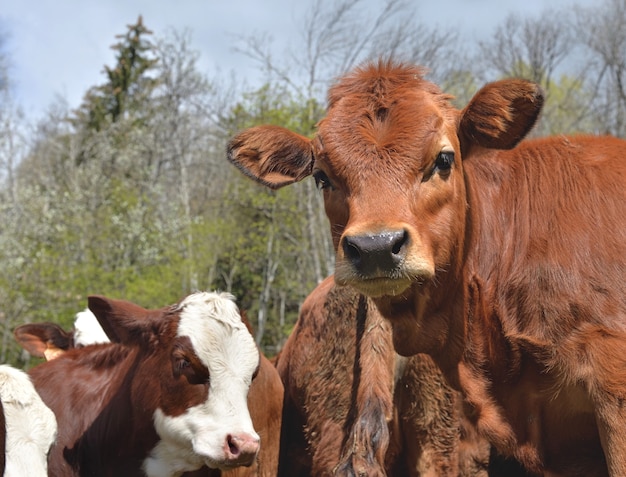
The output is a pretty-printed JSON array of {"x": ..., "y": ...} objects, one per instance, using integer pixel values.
[
  {"x": 167, "y": 396},
  {"x": 265, "y": 398},
  {"x": 503, "y": 259}
]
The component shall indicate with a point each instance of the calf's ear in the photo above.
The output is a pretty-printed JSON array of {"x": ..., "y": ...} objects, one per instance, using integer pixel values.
[
  {"x": 271, "y": 155},
  {"x": 43, "y": 340},
  {"x": 121, "y": 320},
  {"x": 501, "y": 114}
]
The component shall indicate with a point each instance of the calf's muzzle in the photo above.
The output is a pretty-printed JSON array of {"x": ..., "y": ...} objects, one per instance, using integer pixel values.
[{"x": 374, "y": 255}]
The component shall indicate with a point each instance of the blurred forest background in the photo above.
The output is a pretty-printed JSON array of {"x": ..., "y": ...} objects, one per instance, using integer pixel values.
[{"x": 131, "y": 196}]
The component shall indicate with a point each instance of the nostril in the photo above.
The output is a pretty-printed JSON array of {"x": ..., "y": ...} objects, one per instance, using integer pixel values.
[
  {"x": 399, "y": 241},
  {"x": 241, "y": 449},
  {"x": 233, "y": 448},
  {"x": 351, "y": 250}
]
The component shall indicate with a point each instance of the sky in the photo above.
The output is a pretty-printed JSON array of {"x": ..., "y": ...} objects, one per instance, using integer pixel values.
[{"x": 59, "y": 47}]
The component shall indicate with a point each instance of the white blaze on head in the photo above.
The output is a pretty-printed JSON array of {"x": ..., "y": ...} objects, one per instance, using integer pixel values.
[
  {"x": 87, "y": 329},
  {"x": 222, "y": 342}
]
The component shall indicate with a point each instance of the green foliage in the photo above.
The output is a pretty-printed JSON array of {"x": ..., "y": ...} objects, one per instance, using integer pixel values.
[
  {"x": 132, "y": 218},
  {"x": 462, "y": 85},
  {"x": 272, "y": 104},
  {"x": 257, "y": 230},
  {"x": 130, "y": 196},
  {"x": 269, "y": 227},
  {"x": 566, "y": 107}
]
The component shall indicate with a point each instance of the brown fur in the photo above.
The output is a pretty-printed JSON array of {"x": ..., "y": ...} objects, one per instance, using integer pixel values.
[
  {"x": 353, "y": 407},
  {"x": 507, "y": 264}
]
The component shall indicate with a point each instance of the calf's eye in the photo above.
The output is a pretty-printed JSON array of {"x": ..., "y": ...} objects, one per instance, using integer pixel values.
[
  {"x": 444, "y": 161},
  {"x": 321, "y": 180}
]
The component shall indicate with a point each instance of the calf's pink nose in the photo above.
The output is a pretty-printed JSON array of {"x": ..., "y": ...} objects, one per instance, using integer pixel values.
[{"x": 241, "y": 449}]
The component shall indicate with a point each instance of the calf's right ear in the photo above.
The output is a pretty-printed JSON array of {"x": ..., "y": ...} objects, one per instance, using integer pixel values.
[
  {"x": 271, "y": 155},
  {"x": 121, "y": 320}
]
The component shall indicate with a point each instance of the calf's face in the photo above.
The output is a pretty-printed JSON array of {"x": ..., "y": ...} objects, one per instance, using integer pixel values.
[
  {"x": 388, "y": 159},
  {"x": 203, "y": 358},
  {"x": 393, "y": 188}
]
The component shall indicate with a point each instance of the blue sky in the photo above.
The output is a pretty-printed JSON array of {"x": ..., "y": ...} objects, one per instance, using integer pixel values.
[{"x": 59, "y": 47}]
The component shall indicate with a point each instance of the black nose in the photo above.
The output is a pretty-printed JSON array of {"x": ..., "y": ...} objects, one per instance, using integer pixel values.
[{"x": 376, "y": 254}]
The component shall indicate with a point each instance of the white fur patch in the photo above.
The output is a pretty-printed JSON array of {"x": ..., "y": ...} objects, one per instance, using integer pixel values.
[
  {"x": 87, "y": 329},
  {"x": 31, "y": 426},
  {"x": 223, "y": 343}
]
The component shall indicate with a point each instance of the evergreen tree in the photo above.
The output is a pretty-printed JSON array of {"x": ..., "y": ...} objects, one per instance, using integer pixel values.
[{"x": 129, "y": 82}]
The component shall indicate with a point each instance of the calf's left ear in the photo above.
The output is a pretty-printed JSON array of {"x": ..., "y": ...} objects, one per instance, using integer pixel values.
[
  {"x": 271, "y": 155},
  {"x": 501, "y": 114},
  {"x": 43, "y": 340}
]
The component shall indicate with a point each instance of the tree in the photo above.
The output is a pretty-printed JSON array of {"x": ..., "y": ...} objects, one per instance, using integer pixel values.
[
  {"x": 540, "y": 49},
  {"x": 128, "y": 82},
  {"x": 13, "y": 145},
  {"x": 280, "y": 266},
  {"x": 601, "y": 30},
  {"x": 531, "y": 48},
  {"x": 83, "y": 226},
  {"x": 131, "y": 196}
]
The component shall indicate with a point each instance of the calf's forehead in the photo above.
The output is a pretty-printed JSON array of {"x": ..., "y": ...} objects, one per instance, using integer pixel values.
[
  {"x": 373, "y": 135},
  {"x": 219, "y": 337}
]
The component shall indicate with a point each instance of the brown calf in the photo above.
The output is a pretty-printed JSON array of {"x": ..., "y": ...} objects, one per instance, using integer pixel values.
[
  {"x": 505, "y": 262},
  {"x": 355, "y": 407}
]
